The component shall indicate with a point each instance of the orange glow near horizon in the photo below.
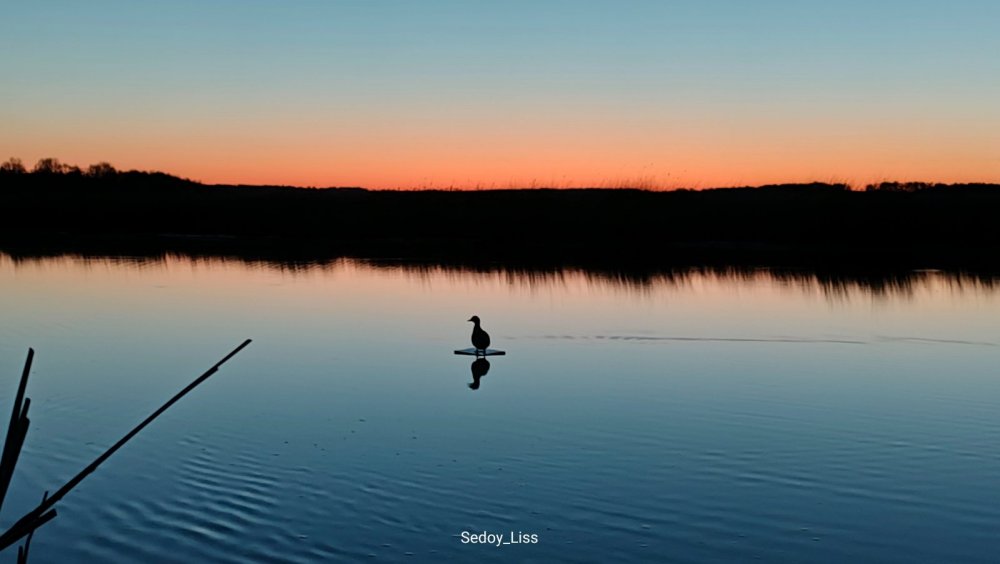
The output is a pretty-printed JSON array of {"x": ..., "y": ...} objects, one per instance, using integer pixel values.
[
  {"x": 560, "y": 161},
  {"x": 516, "y": 146},
  {"x": 524, "y": 144}
]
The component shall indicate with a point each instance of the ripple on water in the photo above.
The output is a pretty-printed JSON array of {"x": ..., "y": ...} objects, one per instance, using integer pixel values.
[{"x": 224, "y": 504}]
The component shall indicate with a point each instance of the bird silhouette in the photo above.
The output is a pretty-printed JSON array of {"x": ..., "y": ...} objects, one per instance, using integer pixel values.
[
  {"x": 480, "y": 367},
  {"x": 480, "y": 338}
]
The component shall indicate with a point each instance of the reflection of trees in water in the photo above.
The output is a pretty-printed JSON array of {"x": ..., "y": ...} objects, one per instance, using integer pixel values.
[{"x": 830, "y": 281}]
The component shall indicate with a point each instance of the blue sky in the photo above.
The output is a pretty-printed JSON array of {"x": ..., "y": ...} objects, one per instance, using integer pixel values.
[{"x": 316, "y": 91}]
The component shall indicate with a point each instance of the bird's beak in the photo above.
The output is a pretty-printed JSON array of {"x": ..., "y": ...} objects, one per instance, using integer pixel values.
[{"x": 469, "y": 319}]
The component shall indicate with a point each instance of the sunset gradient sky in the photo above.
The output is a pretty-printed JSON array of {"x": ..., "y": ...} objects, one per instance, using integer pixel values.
[{"x": 461, "y": 93}]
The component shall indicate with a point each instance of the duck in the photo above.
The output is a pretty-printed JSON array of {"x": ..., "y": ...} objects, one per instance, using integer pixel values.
[{"x": 480, "y": 338}]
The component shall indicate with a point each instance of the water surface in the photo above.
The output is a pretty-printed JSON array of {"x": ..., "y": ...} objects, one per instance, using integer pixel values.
[{"x": 693, "y": 417}]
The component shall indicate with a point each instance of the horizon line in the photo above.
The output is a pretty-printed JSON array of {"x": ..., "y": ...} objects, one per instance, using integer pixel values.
[{"x": 54, "y": 166}]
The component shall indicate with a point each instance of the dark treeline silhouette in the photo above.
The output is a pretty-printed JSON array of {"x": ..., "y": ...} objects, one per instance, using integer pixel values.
[{"x": 898, "y": 225}]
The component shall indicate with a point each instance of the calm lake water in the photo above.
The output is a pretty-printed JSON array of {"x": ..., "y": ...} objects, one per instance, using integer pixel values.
[{"x": 701, "y": 417}]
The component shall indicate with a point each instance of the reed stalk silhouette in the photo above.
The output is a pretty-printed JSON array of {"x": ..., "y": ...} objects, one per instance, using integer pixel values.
[{"x": 18, "y": 429}]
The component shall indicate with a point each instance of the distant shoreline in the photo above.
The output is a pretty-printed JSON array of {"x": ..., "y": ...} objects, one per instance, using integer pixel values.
[{"x": 893, "y": 226}]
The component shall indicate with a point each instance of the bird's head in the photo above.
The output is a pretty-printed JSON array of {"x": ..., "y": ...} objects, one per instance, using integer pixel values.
[{"x": 474, "y": 319}]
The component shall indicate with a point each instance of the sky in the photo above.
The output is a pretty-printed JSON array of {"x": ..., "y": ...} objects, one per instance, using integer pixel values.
[{"x": 467, "y": 93}]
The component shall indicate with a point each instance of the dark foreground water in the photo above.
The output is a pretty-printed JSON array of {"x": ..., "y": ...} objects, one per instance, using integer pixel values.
[{"x": 694, "y": 418}]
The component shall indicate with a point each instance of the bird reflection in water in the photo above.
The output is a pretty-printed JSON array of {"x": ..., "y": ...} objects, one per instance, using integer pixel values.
[{"x": 480, "y": 367}]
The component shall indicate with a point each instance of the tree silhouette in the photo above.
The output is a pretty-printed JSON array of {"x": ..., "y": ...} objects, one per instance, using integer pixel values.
[
  {"x": 101, "y": 170},
  {"x": 49, "y": 166},
  {"x": 13, "y": 165}
]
